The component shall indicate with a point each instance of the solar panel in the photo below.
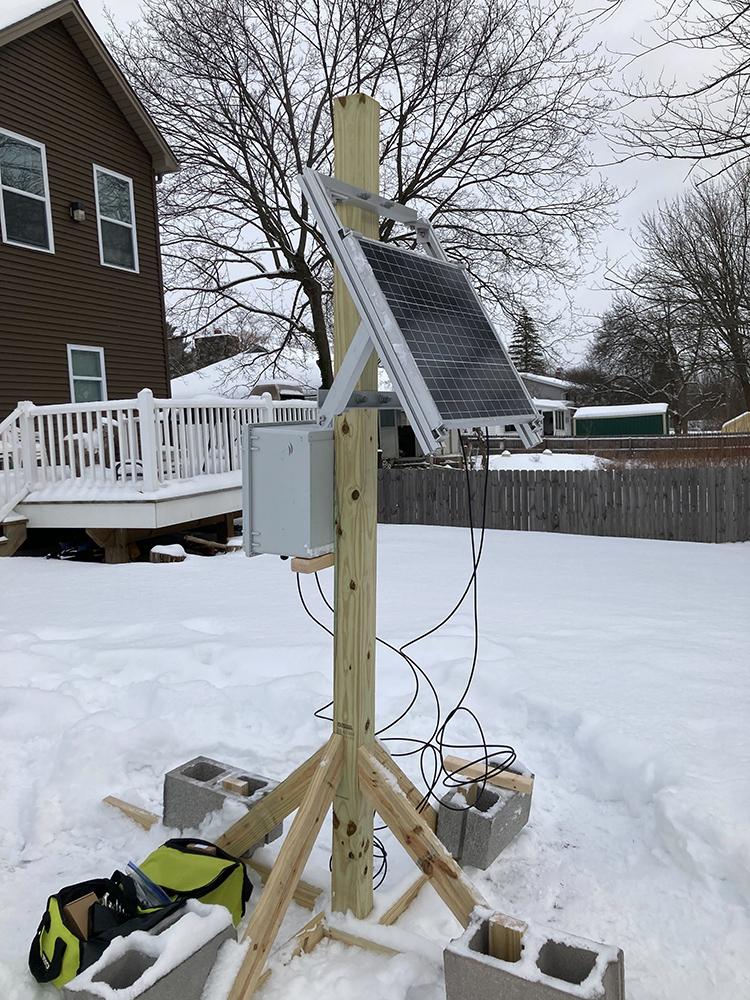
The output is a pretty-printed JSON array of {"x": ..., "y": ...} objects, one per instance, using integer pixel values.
[
  {"x": 420, "y": 313},
  {"x": 454, "y": 346}
]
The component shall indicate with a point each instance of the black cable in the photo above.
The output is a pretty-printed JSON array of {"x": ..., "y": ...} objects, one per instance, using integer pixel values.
[
  {"x": 432, "y": 751},
  {"x": 317, "y": 712}
]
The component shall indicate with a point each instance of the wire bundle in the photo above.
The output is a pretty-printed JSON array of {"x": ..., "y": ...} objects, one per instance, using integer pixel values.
[{"x": 495, "y": 757}]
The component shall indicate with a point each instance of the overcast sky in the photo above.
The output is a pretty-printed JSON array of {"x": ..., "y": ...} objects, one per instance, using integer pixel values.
[{"x": 650, "y": 181}]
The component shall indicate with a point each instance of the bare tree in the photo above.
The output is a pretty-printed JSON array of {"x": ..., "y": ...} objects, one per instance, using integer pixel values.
[
  {"x": 709, "y": 122},
  {"x": 488, "y": 106},
  {"x": 689, "y": 300},
  {"x": 647, "y": 350},
  {"x": 696, "y": 249}
]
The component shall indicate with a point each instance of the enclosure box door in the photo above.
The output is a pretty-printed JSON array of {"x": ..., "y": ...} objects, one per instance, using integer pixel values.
[{"x": 287, "y": 489}]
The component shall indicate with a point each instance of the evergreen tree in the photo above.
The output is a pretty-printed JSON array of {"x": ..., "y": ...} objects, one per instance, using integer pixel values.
[{"x": 526, "y": 349}]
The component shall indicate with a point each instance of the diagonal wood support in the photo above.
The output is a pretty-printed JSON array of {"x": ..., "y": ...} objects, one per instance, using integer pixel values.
[
  {"x": 417, "y": 839},
  {"x": 407, "y": 786},
  {"x": 278, "y": 891},
  {"x": 271, "y": 809},
  {"x": 404, "y": 901}
]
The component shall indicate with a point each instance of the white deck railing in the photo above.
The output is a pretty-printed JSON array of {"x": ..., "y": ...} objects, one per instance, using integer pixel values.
[{"x": 143, "y": 442}]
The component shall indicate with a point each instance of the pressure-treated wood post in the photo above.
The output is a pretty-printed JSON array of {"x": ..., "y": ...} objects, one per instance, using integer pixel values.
[{"x": 356, "y": 129}]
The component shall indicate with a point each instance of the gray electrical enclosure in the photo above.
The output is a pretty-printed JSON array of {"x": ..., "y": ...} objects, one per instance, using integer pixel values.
[{"x": 287, "y": 489}]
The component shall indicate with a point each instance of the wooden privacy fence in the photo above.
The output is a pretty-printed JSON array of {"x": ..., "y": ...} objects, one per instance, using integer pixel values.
[{"x": 690, "y": 505}]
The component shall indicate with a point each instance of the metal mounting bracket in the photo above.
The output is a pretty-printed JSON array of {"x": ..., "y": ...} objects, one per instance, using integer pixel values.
[
  {"x": 341, "y": 193},
  {"x": 361, "y": 400}
]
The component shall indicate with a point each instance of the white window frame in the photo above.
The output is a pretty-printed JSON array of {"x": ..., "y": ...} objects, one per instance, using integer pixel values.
[
  {"x": 27, "y": 194},
  {"x": 72, "y": 378},
  {"x": 117, "y": 222}
]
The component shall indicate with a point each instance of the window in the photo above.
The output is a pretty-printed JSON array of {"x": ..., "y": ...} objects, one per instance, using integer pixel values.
[
  {"x": 24, "y": 193},
  {"x": 86, "y": 367},
  {"x": 115, "y": 216},
  {"x": 560, "y": 420}
]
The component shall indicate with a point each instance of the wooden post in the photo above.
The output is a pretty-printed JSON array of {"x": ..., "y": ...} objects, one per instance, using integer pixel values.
[
  {"x": 28, "y": 451},
  {"x": 147, "y": 426},
  {"x": 356, "y": 131}
]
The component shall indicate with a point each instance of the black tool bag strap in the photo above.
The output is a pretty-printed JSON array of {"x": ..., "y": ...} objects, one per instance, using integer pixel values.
[
  {"x": 43, "y": 969},
  {"x": 193, "y": 845}
]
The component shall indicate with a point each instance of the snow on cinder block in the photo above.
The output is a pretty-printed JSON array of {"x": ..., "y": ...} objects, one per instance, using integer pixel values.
[
  {"x": 198, "y": 787},
  {"x": 554, "y": 965},
  {"x": 170, "y": 962},
  {"x": 478, "y": 834}
]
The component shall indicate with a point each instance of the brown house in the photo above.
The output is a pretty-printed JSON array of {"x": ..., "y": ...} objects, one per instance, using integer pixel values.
[{"x": 81, "y": 297}]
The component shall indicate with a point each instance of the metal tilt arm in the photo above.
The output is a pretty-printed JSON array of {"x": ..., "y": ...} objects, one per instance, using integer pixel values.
[{"x": 355, "y": 359}]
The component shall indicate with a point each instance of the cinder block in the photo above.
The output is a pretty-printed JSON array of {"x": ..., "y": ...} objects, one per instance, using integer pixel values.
[
  {"x": 194, "y": 789},
  {"x": 479, "y": 834},
  {"x": 452, "y": 822},
  {"x": 153, "y": 965},
  {"x": 554, "y": 965}
]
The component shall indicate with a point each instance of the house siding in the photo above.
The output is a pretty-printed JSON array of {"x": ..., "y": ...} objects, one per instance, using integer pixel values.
[
  {"x": 653, "y": 423},
  {"x": 49, "y": 93}
]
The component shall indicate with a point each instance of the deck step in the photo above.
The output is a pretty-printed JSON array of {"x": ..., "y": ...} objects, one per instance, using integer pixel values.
[{"x": 12, "y": 534}]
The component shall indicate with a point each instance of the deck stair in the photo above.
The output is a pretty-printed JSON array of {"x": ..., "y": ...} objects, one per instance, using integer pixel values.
[{"x": 12, "y": 534}]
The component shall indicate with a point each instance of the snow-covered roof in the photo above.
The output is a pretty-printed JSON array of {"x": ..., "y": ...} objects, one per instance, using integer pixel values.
[
  {"x": 236, "y": 377},
  {"x": 630, "y": 410},
  {"x": 547, "y": 380},
  {"x": 551, "y": 404},
  {"x": 739, "y": 423},
  {"x": 17, "y": 10}
]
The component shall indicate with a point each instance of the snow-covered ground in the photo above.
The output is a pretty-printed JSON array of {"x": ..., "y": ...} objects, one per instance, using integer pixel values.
[
  {"x": 546, "y": 460},
  {"x": 617, "y": 668}
]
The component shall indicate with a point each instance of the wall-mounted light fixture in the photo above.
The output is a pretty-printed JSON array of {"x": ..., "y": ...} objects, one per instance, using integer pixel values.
[{"x": 77, "y": 211}]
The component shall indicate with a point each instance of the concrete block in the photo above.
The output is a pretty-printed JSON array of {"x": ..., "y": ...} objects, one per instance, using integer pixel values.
[
  {"x": 168, "y": 963},
  {"x": 194, "y": 789},
  {"x": 479, "y": 834},
  {"x": 554, "y": 965},
  {"x": 451, "y": 823}
]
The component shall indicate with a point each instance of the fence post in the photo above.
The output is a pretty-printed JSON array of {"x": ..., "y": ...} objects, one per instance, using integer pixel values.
[
  {"x": 266, "y": 414},
  {"x": 147, "y": 429},
  {"x": 28, "y": 444}
]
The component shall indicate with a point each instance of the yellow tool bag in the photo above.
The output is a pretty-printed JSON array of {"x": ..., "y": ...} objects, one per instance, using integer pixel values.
[
  {"x": 81, "y": 920},
  {"x": 198, "y": 869}
]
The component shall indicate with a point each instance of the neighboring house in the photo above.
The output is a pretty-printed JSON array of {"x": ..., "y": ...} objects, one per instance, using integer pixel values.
[
  {"x": 618, "y": 421},
  {"x": 546, "y": 387},
  {"x": 738, "y": 425},
  {"x": 556, "y": 416},
  {"x": 551, "y": 397},
  {"x": 81, "y": 297}
]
